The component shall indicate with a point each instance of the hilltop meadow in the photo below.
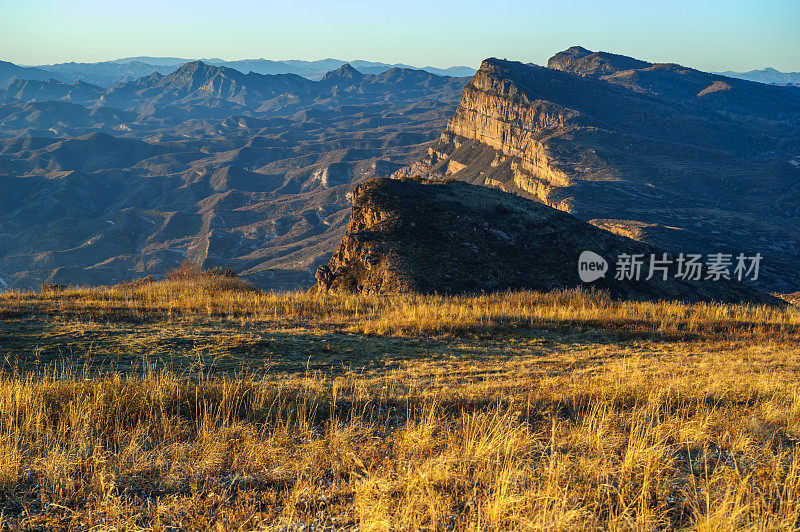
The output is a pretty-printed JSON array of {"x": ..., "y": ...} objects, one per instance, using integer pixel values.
[{"x": 200, "y": 403}]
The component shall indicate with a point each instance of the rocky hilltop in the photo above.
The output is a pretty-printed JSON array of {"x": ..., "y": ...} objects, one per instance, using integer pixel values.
[
  {"x": 453, "y": 237},
  {"x": 661, "y": 153}
]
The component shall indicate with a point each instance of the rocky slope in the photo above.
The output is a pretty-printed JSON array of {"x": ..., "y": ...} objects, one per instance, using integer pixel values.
[
  {"x": 682, "y": 159},
  {"x": 452, "y": 237}
]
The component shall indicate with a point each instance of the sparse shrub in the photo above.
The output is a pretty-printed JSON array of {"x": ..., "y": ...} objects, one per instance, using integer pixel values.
[
  {"x": 190, "y": 270},
  {"x": 216, "y": 271},
  {"x": 215, "y": 278},
  {"x": 53, "y": 287}
]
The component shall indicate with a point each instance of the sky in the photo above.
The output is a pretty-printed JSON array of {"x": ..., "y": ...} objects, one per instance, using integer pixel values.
[{"x": 709, "y": 35}]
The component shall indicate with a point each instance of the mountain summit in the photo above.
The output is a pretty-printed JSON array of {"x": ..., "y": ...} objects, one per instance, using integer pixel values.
[
  {"x": 344, "y": 73},
  {"x": 583, "y": 62}
]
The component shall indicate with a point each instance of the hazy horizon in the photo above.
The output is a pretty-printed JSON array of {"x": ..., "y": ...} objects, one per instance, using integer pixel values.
[
  {"x": 348, "y": 60},
  {"x": 231, "y": 59},
  {"x": 714, "y": 35}
]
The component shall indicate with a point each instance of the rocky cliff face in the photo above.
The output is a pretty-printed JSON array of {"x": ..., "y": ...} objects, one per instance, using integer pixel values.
[
  {"x": 688, "y": 161},
  {"x": 452, "y": 237}
]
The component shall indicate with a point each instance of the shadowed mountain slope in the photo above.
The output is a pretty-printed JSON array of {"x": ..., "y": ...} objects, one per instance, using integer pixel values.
[{"x": 453, "y": 237}]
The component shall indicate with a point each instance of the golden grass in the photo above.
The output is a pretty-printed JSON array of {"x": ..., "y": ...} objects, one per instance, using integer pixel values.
[
  {"x": 518, "y": 411},
  {"x": 409, "y": 314}
]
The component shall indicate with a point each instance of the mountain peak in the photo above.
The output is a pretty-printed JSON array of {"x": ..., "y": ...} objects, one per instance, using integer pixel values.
[
  {"x": 344, "y": 72},
  {"x": 583, "y": 62},
  {"x": 196, "y": 73},
  {"x": 194, "y": 66},
  {"x": 577, "y": 51}
]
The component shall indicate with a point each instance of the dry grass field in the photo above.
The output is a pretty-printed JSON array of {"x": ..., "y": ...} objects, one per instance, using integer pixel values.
[{"x": 202, "y": 404}]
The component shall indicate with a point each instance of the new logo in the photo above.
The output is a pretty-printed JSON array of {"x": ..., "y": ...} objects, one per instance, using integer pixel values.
[{"x": 591, "y": 266}]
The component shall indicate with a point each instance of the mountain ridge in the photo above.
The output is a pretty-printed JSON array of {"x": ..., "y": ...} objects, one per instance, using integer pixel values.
[
  {"x": 10, "y": 71},
  {"x": 108, "y": 73},
  {"x": 228, "y": 90},
  {"x": 573, "y": 138},
  {"x": 766, "y": 75},
  {"x": 205, "y": 163}
]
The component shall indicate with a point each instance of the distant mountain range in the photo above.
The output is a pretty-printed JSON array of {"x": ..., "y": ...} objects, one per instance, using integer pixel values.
[
  {"x": 250, "y": 171},
  {"x": 201, "y": 91},
  {"x": 10, "y": 72},
  {"x": 766, "y": 75},
  {"x": 109, "y": 73}
]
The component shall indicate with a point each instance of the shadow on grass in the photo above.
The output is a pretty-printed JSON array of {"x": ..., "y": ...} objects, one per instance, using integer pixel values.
[{"x": 34, "y": 346}]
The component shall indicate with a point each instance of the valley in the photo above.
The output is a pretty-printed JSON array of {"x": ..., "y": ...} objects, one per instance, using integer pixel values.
[{"x": 252, "y": 172}]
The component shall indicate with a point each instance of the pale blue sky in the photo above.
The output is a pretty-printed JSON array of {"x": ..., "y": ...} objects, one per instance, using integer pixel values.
[{"x": 710, "y": 35}]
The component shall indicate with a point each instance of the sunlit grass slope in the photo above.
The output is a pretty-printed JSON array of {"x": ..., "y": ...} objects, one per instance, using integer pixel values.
[{"x": 500, "y": 412}]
